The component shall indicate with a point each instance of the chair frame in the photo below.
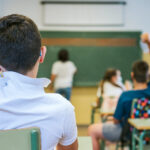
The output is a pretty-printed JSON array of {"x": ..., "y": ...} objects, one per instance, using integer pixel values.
[
  {"x": 32, "y": 134},
  {"x": 138, "y": 136},
  {"x": 34, "y": 140}
]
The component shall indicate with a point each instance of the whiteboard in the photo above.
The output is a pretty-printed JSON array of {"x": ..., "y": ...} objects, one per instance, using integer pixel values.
[{"x": 83, "y": 14}]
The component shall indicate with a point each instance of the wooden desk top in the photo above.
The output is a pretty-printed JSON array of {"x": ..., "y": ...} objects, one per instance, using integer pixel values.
[{"x": 140, "y": 124}]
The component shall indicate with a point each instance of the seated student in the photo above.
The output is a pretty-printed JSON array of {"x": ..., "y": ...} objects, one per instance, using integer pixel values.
[
  {"x": 108, "y": 86},
  {"x": 23, "y": 102},
  {"x": 63, "y": 71},
  {"x": 112, "y": 131}
]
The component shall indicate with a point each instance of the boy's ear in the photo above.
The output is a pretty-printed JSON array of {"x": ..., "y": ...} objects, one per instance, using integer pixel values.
[
  {"x": 2, "y": 69},
  {"x": 42, "y": 54}
]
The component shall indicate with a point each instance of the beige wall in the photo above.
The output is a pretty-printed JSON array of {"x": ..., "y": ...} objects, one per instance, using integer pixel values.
[{"x": 146, "y": 57}]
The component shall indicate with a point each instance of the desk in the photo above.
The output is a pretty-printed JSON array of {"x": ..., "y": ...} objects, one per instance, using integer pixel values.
[
  {"x": 140, "y": 124},
  {"x": 140, "y": 128}
]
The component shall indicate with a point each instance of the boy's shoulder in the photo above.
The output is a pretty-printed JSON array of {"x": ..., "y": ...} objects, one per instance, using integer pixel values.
[
  {"x": 58, "y": 101},
  {"x": 56, "y": 63},
  {"x": 130, "y": 95}
]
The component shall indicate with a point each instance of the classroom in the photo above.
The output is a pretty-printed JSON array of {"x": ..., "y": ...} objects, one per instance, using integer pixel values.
[{"x": 74, "y": 75}]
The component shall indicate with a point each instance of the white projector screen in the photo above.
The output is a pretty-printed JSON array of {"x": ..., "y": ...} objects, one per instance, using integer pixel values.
[{"x": 83, "y": 14}]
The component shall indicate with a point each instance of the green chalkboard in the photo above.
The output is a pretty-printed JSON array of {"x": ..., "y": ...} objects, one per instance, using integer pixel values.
[{"x": 92, "y": 61}]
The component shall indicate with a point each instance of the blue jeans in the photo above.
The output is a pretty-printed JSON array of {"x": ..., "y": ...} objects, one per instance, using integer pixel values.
[{"x": 66, "y": 92}]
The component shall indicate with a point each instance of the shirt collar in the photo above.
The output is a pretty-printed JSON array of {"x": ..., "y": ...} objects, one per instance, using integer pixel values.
[{"x": 10, "y": 75}]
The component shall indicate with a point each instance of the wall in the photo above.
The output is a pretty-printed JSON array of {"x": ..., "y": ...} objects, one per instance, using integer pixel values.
[
  {"x": 135, "y": 19},
  {"x": 100, "y": 50}
]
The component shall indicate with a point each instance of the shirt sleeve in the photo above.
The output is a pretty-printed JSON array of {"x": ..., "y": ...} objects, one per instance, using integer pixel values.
[
  {"x": 119, "y": 109},
  {"x": 74, "y": 68},
  {"x": 55, "y": 69},
  {"x": 70, "y": 128}
]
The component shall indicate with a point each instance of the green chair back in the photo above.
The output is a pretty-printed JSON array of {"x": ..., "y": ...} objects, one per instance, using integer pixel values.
[
  {"x": 20, "y": 139},
  {"x": 96, "y": 109},
  {"x": 100, "y": 101}
]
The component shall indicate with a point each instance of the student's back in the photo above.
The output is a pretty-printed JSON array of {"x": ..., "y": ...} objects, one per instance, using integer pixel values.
[
  {"x": 125, "y": 103},
  {"x": 23, "y": 102},
  {"x": 62, "y": 74},
  {"x": 109, "y": 90},
  {"x": 65, "y": 72}
]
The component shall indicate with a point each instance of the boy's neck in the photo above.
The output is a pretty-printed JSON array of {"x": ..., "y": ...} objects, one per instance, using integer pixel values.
[
  {"x": 139, "y": 86},
  {"x": 33, "y": 73}
]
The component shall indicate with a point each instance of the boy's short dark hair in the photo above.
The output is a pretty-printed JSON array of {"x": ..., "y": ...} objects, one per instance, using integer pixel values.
[
  {"x": 20, "y": 43},
  {"x": 140, "y": 70},
  {"x": 63, "y": 55}
]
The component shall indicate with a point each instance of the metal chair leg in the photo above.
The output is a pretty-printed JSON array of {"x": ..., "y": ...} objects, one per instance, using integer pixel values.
[
  {"x": 133, "y": 139},
  {"x": 141, "y": 140},
  {"x": 92, "y": 115},
  {"x": 102, "y": 145}
]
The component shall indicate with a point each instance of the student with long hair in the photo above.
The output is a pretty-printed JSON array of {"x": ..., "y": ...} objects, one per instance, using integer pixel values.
[{"x": 108, "y": 85}]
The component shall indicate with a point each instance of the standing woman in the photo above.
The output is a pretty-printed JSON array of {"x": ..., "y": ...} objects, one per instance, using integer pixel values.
[{"x": 63, "y": 71}]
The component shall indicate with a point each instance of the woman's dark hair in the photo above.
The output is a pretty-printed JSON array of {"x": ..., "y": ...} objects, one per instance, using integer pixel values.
[
  {"x": 20, "y": 43},
  {"x": 108, "y": 77},
  {"x": 63, "y": 55}
]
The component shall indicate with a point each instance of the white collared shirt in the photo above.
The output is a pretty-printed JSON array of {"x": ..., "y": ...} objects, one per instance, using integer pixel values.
[{"x": 23, "y": 103}]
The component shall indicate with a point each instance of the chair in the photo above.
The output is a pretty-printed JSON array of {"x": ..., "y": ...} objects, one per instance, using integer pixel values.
[
  {"x": 96, "y": 109},
  {"x": 20, "y": 139}
]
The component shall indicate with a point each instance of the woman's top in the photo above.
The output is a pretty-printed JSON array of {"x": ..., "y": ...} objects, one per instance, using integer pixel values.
[
  {"x": 109, "y": 90},
  {"x": 64, "y": 72}
]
